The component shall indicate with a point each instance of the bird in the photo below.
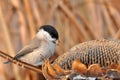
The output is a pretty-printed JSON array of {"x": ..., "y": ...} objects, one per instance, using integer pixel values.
[{"x": 43, "y": 45}]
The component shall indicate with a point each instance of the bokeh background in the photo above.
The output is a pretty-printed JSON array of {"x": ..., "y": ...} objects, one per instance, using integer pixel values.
[{"x": 76, "y": 21}]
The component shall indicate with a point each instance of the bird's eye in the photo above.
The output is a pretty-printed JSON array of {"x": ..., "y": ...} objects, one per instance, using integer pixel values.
[{"x": 52, "y": 35}]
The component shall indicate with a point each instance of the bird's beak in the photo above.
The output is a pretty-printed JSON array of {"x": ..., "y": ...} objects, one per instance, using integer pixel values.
[{"x": 57, "y": 42}]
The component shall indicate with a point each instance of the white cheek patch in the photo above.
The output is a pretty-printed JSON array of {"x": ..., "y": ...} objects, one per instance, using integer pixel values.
[
  {"x": 40, "y": 34},
  {"x": 44, "y": 35}
]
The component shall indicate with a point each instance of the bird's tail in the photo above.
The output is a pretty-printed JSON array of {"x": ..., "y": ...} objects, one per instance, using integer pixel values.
[
  {"x": 7, "y": 62},
  {"x": 7, "y": 57}
]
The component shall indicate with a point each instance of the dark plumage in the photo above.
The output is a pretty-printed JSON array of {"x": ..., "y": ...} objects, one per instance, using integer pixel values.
[{"x": 51, "y": 30}]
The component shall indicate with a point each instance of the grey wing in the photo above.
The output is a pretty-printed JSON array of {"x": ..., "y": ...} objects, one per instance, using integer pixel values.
[{"x": 35, "y": 43}]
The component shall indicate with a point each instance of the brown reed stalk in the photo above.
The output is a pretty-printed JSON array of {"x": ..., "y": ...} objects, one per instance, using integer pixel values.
[
  {"x": 60, "y": 28},
  {"x": 36, "y": 13},
  {"x": 41, "y": 9},
  {"x": 117, "y": 35},
  {"x": 89, "y": 26},
  {"x": 30, "y": 18},
  {"x": 95, "y": 16},
  {"x": 9, "y": 45},
  {"x": 66, "y": 33},
  {"x": 109, "y": 8},
  {"x": 115, "y": 17},
  {"x": 108, "y": 20},
  {"x": 74, "y": 20},
  {"x": 91, "y": 9},
  {"x": 23, "y": 26},
  {"x": 54, "y": 6}
]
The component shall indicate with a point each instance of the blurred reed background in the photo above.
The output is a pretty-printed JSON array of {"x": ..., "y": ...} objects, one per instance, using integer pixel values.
[{"x": 75, "y": 20}]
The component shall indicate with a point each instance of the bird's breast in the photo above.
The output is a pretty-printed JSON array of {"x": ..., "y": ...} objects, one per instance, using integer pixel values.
[
  {"x": 37, "y": 56},
  {"x": 33, "y": 57}
]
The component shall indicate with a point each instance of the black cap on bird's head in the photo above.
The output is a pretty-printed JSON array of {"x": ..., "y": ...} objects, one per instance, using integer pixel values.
[{"x": 51, "y": 30}]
